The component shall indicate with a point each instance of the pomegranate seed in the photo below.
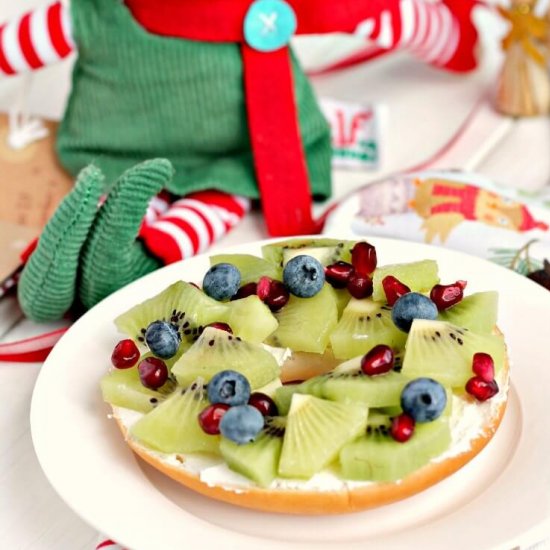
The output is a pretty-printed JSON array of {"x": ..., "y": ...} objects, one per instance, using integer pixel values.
[
  {"x": 245, "y": 291},
  {"x": 263, "y": 403},
  {"x": 195, "y": 285},
  {"x": 393, "y": 289},
  {"x": 481, "y": 389},
  {"x": 359, "y": 285},
  {"x": 125, "y": 354},
  {"x": 209, "y": 418},
  {"x": 338, "y": 274},
  {"x": 272, "y": 293},
  {"x": 221, "y": 326},
  {"x": 484, "y": 366},
  {"x": 153, "y": 372},
  {"x": 379, "y": 360},
  {"x": 445, "y": 296},
  {"x": 402, "y": 428},
  {"x": 363, "y": 258}
]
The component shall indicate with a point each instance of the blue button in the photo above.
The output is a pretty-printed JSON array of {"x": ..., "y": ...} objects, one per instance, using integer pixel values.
[{"x": 269, "y": 25}]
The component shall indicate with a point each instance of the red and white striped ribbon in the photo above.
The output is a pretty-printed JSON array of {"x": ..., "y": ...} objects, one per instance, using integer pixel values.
[
  {"x": 190, "y": 225},
  {"x": 36, "y": 39}
]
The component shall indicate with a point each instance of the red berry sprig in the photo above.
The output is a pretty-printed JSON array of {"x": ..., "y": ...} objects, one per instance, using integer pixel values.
[
  {"x": 446, "y": 296},
  {"x": 483, "y": 385}
]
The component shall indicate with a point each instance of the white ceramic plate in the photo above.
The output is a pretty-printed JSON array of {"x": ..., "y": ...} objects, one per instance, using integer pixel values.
[{"x": 499, "y": 500}]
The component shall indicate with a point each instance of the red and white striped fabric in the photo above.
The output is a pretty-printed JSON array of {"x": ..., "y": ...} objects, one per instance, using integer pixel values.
[
  {"x": 36, "y": 39},
  {"x": 190, "y": 225},
  {"x": 441, "y": 33}
]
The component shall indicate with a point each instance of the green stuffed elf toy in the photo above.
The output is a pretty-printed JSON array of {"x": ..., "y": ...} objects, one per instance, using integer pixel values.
[{"x": 208, "y": 89}]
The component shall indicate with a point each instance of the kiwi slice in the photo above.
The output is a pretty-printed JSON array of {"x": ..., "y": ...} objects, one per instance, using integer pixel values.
[
  {"x": 376, "y": 456},
  {"x": 316, "y": 430},
  {"x": 444, "y": 352},
  {"x": 259, "y": 459},
  {"x": 173, "y": 426},
  {"x": 342, "y": 297},
  {"x": 181, "y": 304},
  {"x": 123, "y": 388},
  {"x": 363, "y": 325},
  {"x": 251, "y": 267},
  {"x": 477, "y": 312},
  {"x": 327, "y": 251},
  {"x": 305, "y": 324},
  {"x": 217, "y": 350},
  {"x": 418, "y": 276},
  {"x": 250, "y": 319}
]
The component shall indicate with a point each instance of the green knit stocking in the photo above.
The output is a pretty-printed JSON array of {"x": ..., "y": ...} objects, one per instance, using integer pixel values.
[
  {"x": 47, "y": 284},
  {"x": 112, "y": 257}
]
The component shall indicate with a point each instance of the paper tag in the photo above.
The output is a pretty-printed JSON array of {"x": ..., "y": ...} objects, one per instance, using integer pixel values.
[
  {"x": 355, "y": 130},
  {"x": 32, "y": 183}
]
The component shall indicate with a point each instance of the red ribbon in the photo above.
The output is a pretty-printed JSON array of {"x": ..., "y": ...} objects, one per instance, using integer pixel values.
[{"x": 31, "y": 350}]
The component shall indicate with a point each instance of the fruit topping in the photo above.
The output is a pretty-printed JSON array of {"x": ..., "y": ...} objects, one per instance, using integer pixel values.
[
  {"x": 402, "y": 428},
  {"x": 153, "y": 372},
  {"x": 272, "y": 293},
  {"x": 125, "y": 355},
  {"x": 378, "y": 360},
  {"x": 250, "y": 267},
  {"x": 242, "y": 424},
  {"x": 210, "y": 418},
  {"x": 222, "y": 281},
  {"x": 327, "y": 251},
  {"x": 363, "y": 258},
  {"x": 446, "y": 296},
  {"x": 484, "y": 366},
  {"x": 221, "y": 326},
  {"x": 412, "y": 306},
  {"x": 481, "y": 389},
  {"x": 338, "y": 274},
  {"x": 423, "y": 399},
  {"x": 263, "y": 403},
  {"x": 249, "y": 289},
  {"x": 393, "y": 289},
  {"x": 359, "y": 285},
  {"x": 304, "y": 276},
  {"x": 228, "y": 387},
  {"x": 163, "y": 339}
]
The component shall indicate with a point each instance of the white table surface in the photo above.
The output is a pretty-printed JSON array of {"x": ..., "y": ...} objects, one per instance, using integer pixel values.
[{"x": 424, "y": 107}]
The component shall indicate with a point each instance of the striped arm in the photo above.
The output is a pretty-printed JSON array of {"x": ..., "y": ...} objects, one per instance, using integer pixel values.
[
  {"x": 190, "y": 225},
  {"x": 441, "y": 33},
  {"x": 36, "y": 39}
]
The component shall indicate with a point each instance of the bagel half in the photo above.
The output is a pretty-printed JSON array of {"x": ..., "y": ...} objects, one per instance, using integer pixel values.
[{"x": 353, "y": 496}]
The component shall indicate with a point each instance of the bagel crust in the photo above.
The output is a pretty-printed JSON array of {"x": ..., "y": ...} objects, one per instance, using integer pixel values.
[{"x": 317, "y": 502}]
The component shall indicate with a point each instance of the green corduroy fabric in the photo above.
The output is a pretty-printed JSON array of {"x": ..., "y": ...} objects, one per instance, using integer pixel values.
[
  {"x": 112, "y": 257},
  {"x": 47, "y": 286},
  {"x": 136, "y": 96}
]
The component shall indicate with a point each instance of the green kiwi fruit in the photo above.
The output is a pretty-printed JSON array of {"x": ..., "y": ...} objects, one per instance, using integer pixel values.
[
  {"x": 444, "y": 352},
  {"x": 376, "y": 456},
  {"x": 250, "y": 319},
  {"x": 363, "y": 325},
  {"x": 181, "y": 304},
  {"x": 123, "y": 388},
  {"x": 259, "y": 459},
  {"x": 418, "y": 276},
  {"x": 327, "y": 251},
  {"x": 477, "y": 312},
  {"x": 173, "y": 426},
  {"x": 216, "y": 350},
  {"x": 316, "y": 430},
  {"x": 305, "y": 324},
  {"x": 250, "y": 267}
]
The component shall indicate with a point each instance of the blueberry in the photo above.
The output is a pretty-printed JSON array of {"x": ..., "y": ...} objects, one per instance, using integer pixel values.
[
  {"x": 222, "y": 281},
  {"x": 242, "y": 424},
  {"x": 412, "y": 306},
  {"x": 229, "y": 387},
  {"x": 163, "y": 339},
  {"x": 424, "y": 399},
  {"x": 304, "y": 276}
]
